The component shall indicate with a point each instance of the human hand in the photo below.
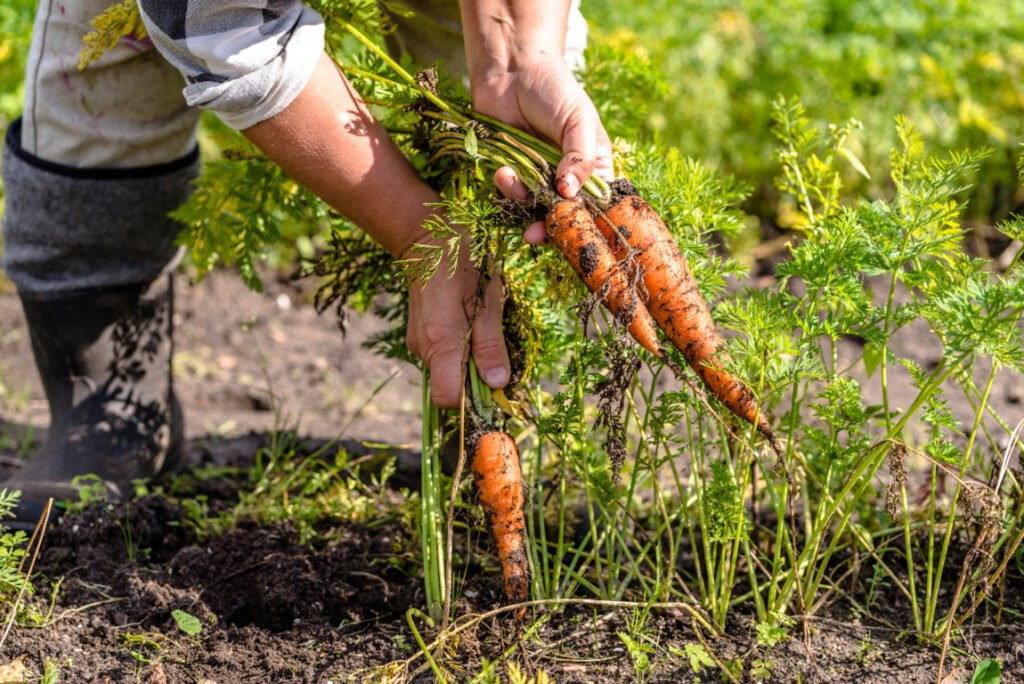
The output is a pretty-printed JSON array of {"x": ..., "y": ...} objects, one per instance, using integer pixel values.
[
  {"x": 542, "y": 96},
  {"x": 440, "y": 312},
  {"x": 328, "y": 140}
]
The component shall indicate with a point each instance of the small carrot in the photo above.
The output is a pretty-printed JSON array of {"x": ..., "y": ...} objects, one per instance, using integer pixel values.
[
  {"x": 571, "y": 227},
  {"x": 675, "y": 302},
  {"x": 498, "y": 476}
]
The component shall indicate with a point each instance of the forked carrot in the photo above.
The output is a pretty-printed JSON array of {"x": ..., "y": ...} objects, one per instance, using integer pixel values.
[
  {"x": 498, "y": 476},
  {"x": 571, "y": 227},
  {"x": 675, "y": 302}
]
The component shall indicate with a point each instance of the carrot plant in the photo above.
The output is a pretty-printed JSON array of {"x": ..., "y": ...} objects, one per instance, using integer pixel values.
[
  {"x": 431, "y": 524},
  {"x": 926, "y": 283},
  {"x": 639, "y": 485}
]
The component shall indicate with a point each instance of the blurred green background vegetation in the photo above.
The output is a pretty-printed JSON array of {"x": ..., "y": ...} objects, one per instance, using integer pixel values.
[
  {"x": 15, "y": 32},
  {"x": 955, "y": 68}
]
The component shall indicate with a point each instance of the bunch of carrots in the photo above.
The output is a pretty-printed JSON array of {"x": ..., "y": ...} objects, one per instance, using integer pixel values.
[
  {"x": 606, "y": 246},
  {"x": 623, "y": 252},
  {"x": 611, "y": 250}
]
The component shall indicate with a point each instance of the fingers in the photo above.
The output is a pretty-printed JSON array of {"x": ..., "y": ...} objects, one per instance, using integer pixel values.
[
  {"x": 436, "y": 334},
  {"x": 509, "y": 184},
  {"x": 535, "y": 234},
  {"x": 437, "y": 338},
  {"x": 605, "y": 164},
  {"x": 512, "y": 188},
  {"x": 445, "y": 371},
  {"x": 488, "y": 341},
  {"x": 586, "y": 149}
]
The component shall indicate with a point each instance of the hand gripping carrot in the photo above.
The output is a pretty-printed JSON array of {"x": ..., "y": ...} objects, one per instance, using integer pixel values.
[
  {"x": 498, "y": 476},
  {"x": 571, "y": 227},
  {"x": 675, "y": 302}
]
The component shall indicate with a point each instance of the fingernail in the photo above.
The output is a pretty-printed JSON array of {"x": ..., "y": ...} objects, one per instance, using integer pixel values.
[
  {"x": 571, "y": 183},
  {"x": 495, "y": 377}
]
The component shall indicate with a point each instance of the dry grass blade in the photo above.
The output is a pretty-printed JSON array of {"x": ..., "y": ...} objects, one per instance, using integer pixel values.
[
  {"x": 1010, "y": 550},
  {"x": 1015, "y": 437},
  {"x": 726, "y": 672},
  {"x": 37, "y": 539},
  {"x": 468, "y": 621},
  {"x": 985, "y": 538}
]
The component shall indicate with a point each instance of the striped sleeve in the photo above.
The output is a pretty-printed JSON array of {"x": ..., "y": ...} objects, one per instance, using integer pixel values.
[{"x": 244, "y": 59}]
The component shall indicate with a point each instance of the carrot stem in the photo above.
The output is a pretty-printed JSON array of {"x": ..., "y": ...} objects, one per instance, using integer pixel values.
[
  {"x": 542, "y": 152},
  {"x": 397, "y": 68}
]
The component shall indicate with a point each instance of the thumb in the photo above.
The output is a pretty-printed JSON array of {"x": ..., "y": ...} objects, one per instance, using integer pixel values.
[{"x": 579, "y": 147}]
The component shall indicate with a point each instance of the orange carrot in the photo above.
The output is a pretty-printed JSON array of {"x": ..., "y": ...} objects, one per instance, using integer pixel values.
[
  {"x": 498, "y": 476},
  {"x": 675, "y": 302},
  {"x": 571, "y": 227}
]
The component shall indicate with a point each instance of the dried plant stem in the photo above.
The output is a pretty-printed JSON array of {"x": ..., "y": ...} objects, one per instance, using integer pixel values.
[
  {"x": 469, "y": 621},
  {"x": 37, "y": 540}
]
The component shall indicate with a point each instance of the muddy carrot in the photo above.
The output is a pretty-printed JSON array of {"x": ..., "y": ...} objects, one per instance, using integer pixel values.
[
  {"x": 498, "y": 476},
  {"x": 571, "y": 227},
  {"x": 675, "y": 303}
]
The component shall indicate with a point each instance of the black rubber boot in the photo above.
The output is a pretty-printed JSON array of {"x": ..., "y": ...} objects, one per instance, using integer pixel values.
[{"x": 104, "y": 356}]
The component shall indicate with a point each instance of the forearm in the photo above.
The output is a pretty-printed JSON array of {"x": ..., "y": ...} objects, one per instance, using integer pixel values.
[
  {"x": 501, "y": 34},
  {"x": 328, "y": 141}
]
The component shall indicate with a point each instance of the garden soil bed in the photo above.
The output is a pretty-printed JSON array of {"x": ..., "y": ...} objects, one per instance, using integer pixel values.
[{"x": 275, "y": 610}]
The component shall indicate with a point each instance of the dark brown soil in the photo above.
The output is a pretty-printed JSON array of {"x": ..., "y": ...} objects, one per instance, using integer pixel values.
[
  {"x": 275, "y": 610},
  {"x": 272, "y": 610}
]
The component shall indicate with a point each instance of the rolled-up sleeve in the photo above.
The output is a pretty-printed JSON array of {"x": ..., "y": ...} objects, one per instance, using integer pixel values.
[{"x": 244, "y": 59}]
